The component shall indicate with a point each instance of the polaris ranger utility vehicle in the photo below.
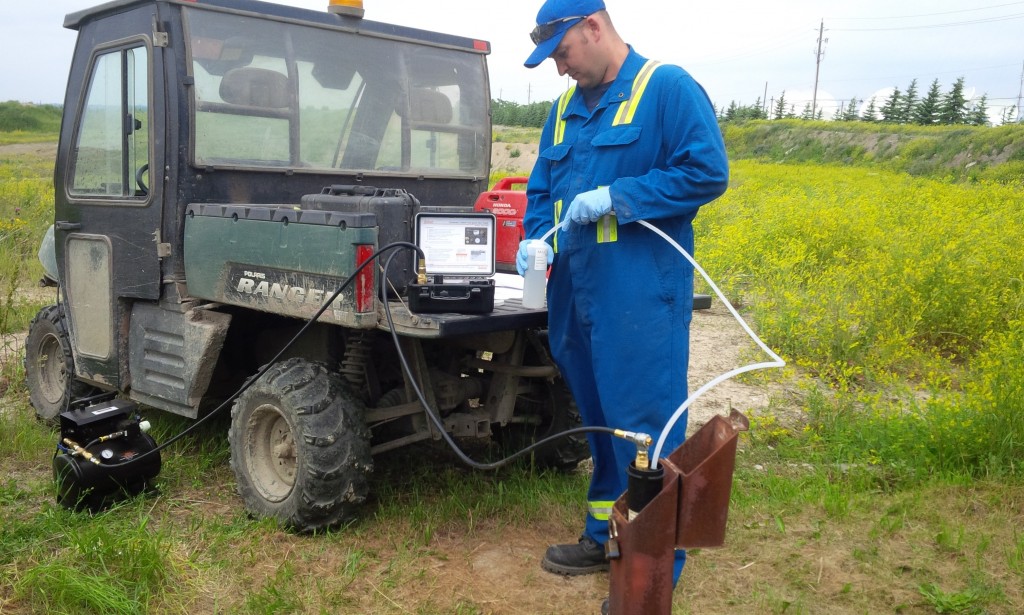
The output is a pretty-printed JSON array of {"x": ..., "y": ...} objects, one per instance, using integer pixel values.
[{"x": 223, "y": 166}]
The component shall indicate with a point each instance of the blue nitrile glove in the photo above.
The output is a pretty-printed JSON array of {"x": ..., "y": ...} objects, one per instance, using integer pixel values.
[
  {"x": 588, "y": 207},
  {"x": 522, "y": 257}
]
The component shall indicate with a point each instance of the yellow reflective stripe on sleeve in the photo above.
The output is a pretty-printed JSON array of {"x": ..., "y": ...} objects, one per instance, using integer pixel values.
[
  {"x": 599, "y": 510},
  {"x": 628, "y": 109},
  {"x": 563, "y": 104},
  {"x": 607, "y": 229},
  {"x": 558, "y": 217}
]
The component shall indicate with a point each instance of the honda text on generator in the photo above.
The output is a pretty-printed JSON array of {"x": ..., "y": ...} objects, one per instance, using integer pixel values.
[{"x": 224, "y": 166}]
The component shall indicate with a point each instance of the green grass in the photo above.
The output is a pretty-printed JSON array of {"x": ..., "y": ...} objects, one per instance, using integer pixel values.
[
  {"x": 844, "y": 539},
  {"x": 111, "y": 567},
  {"x": 515, "y": 496},
  {"x": 18, "y": 118},
  {"x": 516, "y": 134},
  {"x": 24, "y": 136},
  {"x": 815, "y": 533}
]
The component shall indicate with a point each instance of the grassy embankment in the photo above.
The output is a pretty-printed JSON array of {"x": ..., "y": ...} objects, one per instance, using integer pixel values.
[{"x": 888, "y": 276}]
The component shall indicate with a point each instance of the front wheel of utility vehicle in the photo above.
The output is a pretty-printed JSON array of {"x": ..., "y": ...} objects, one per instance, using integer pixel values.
[
  {"x": 49, "y": 365},
  {"x": 300, "y": 449}
]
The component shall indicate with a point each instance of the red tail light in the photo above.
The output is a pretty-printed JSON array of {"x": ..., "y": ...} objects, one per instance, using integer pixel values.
[{"x": 365, "y": 280}]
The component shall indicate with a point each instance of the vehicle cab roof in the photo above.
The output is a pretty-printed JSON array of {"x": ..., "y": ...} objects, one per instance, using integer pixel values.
[{"x": 73, "y": 21}]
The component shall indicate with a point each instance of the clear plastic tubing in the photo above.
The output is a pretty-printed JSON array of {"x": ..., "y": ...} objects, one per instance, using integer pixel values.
[{"x": 776, "y": 360}]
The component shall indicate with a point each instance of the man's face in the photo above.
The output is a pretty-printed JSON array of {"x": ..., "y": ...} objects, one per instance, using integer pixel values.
[{"x": 575, "y": 56}]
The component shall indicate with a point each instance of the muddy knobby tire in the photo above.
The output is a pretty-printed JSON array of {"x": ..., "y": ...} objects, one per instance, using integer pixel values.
[
  {"x": 300, "y": 448},
  {"x": 50, "y": 366}
]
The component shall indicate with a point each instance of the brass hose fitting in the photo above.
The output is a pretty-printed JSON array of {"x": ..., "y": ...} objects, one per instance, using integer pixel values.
[
  {"x": 421, "y": 271},
  {"x": 643, "y": 444}
]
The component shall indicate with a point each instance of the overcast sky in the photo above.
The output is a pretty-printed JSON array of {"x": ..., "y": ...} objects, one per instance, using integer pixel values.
[{"x": 737, "y": 49}]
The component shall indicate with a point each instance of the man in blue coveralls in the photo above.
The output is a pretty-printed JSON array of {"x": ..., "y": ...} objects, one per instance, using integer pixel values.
[{"x": 633, "y": 140}]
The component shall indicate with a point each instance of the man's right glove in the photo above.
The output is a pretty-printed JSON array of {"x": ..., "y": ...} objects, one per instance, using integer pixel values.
[
  {"x": 588, "y": 207},
  {"x": 522, "y": 257}
]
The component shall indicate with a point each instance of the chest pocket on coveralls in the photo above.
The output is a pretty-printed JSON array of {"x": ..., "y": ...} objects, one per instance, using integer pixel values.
[
  {"x": 621, "y": 135},
  {"x": 556, "y": 153}
]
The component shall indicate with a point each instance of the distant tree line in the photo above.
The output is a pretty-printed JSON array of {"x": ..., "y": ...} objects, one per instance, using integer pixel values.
[
  {"x": 935, "y": 108},
  {"x": 507, "y": 113},
  {"x": 30, "y": 118}
]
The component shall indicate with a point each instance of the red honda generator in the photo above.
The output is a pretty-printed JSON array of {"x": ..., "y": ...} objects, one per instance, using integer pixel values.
[{"x": 508, "y": 207}]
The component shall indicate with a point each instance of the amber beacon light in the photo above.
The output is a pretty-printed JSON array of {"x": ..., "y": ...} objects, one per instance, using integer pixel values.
[{"x": 353, "y": 8}]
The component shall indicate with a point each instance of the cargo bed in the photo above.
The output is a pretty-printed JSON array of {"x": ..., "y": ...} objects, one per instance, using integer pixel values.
[{"x": 510, "y": 315}]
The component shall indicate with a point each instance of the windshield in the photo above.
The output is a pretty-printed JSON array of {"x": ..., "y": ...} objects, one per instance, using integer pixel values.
[{"x": 273, "y": 94}]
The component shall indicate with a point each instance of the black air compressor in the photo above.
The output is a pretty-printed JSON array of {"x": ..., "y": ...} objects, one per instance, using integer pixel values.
[{"x": 104, "y": 454}]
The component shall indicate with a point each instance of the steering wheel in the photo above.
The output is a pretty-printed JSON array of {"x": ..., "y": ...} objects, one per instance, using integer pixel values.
[{"x": 139, "y": 178}]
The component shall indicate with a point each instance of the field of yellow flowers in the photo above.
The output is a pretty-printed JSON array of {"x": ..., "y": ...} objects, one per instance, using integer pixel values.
[
  {"x": 904, "y": 295},
  {"x": 26, "y": 209}
]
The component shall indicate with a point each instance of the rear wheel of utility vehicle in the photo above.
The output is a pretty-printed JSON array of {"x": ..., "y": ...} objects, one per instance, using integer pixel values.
[
  {"x": 300, "y": 448},
  {"x": 49, "y": 365},
  {"x": 553, "y": 410}
]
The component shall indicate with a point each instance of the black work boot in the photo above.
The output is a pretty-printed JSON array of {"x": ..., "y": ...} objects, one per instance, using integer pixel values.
[{"x": 584, "y": 557}]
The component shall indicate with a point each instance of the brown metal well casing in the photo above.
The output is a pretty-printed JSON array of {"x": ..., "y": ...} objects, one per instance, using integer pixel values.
[
  {"x": 705, "y": 463},
  {"x": 640, "y": 579},
  {"x": 690, "y": 512}
]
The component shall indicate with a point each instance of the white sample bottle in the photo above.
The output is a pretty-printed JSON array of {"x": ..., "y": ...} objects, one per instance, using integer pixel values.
[{"x": 535, "y": 279}]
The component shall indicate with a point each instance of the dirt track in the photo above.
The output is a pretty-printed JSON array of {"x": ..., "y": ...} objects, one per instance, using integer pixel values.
[{"x": 48, "y": 150}]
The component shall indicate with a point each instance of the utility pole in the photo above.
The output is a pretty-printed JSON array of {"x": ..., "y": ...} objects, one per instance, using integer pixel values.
[
  {"x": 817, "y": 67},
  {"x": 1020, "y": 94}
]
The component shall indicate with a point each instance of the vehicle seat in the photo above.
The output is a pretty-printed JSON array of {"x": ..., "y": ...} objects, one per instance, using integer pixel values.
[
  {"x": 430, "y": 106},
  {"x": 255, "y": 87}
]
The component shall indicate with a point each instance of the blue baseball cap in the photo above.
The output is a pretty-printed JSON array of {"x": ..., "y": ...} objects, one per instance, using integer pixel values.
[{"x": 553, "y": 20}]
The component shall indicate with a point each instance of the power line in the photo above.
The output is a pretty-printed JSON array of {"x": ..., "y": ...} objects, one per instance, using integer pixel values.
[
  {"x": 787, "y": 39},
  {"x": 939, "y": 25},
  {"x": 933, "y": 73},
  {"x": 974, "y": 10},
  {"x": 1020, "y": 94}
]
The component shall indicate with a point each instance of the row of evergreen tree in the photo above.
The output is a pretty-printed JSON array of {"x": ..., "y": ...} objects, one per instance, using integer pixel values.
[
  {"x": 907, "y": 106},
  {"x": 508, "y": 113},
  {"x": 901, "y": 107}
]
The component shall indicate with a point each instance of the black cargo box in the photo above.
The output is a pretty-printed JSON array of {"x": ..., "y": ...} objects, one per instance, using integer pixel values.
[{"x": 394, "y": 209}]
